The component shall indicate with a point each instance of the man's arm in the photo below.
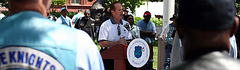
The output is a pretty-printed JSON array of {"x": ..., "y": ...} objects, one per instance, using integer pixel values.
[
  {"x": 59, "y": 21},
  {"x": 148, "y": 34},
  {"x": 107, "y": 43},
  {"x": 151, "y": 34},
  {"x": 73, "y": 18},
  {"x": 112, "y": 43}
]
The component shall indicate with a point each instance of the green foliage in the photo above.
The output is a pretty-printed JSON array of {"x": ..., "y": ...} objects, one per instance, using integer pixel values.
[
  {"x": 58, "y": 14},
  {"x": 153, "y": 0},
  {"x": 128, "y": 4},
  {"x": 136, "y": 19},
  {"x": 155, "y": 56},
  {"x": 156, "y": 21},
  {"x": 71, "y": 14},
  {"x": 5, "y": 13},
  {"x": 58, "y": 2},
  {"x": 131, "y": 4},
  {"x": 238, "y": 5},
  {"x": 155, "y": 43},
  {"x": 4, "y": 3}
]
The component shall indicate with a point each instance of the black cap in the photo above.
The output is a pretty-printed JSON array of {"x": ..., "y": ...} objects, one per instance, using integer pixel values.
[
  {"x": 173, "y": 17},
  {"x": 87, "y": 11},
  {"x": 206, "y": 14},
  {"x": 125, "y": 10}
]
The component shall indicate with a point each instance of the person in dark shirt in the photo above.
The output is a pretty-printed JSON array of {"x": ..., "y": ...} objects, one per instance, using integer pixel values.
[
  {"x": 50, "y": 16},
  {"x": 86, "y": 24},
  {"x": 205, "y": 37}
]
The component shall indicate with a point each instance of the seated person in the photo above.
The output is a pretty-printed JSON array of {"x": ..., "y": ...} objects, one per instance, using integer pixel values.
[
  {"x": 147, "y": 28},
  {"x": 86, "y": 23},
  {"x": 148, "y": 33}
]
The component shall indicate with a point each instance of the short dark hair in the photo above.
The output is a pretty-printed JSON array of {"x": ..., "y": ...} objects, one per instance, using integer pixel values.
[
  {"x": 127, "y": 17},
  {"x": 212, "y": 15},
  {"x": 112, "y": 7},
  {"x": 125, "y": 10}
]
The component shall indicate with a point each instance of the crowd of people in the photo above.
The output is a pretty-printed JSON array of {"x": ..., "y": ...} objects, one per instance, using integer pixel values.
[{"x": 32, "y": 38}]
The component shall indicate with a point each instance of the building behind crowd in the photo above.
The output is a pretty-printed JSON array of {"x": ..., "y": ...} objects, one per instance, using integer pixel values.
[{"x": 74, "y": 5}]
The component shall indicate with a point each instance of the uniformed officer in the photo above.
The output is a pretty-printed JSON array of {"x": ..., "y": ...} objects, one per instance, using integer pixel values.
[
  {"x": 205, "y": 37},
  {"x": 30, "y": 41}
]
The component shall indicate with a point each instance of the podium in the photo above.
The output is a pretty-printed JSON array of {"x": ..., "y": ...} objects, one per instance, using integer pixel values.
[{"x": 118, "y": 54}]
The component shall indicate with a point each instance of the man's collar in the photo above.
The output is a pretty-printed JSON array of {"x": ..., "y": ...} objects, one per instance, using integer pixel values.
[
  {"x": 114, "y": 22},
  {"x": 200, "y": 52}
]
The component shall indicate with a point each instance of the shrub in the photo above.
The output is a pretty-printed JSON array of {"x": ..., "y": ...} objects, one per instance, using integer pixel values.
[
  {"x": 58, "y": 14},
  {"x": 6, "y": 13},
  {"x": 136, "y": 19},
  {"x": 156, "y": 21}
]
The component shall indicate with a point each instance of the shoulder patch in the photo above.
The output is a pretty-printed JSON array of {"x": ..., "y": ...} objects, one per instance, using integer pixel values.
[{"x": 27, "y": 58}]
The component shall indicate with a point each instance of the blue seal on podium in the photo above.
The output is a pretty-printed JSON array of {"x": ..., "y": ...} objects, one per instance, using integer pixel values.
[{"x": 138, "y": 53}]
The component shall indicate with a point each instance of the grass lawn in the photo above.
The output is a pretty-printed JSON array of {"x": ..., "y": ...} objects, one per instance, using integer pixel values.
[{"x": 155, "y": 52}]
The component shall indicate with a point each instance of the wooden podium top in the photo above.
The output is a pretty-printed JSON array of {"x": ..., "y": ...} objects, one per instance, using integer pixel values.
[
  {"x": 119, "y": 54},
  {"x": 116, "y": 52},
  {"x": 119, "y": 51}
]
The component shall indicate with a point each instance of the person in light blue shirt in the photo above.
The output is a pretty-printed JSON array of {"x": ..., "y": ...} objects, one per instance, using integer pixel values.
[
  {"x": 78, "y": 16},
  {"x": 64, "y": 19},
  {"x": 148, "y": 33},
  {"x": 30, "y": 41},
  {"x": 147, "y": 28}
]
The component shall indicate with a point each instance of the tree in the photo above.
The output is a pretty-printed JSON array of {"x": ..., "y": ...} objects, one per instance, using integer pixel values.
[
  {"x": 57, "y": 3},
  {"x": 131, "y": 4},
  {"x": 4, "y": 3},
  {"x": 238, "y": 5}
]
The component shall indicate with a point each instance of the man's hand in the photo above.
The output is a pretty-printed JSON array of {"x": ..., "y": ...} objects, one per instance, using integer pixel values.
[{"x": 122, "y": 41}]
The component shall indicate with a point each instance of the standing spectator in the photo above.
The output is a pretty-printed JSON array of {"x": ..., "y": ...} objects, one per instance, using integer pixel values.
[
  {"x": 113, "y": 32},
  {"x": 50, "y": 16},
  {"x": 86, "y": 24},
  {"x": 125, "y": 14},
  {"x": 78, "y": 16},
  {"x": 135, "y": 33},
  {"x": 134, "y": 29},
  {"x": 1, "y": 15},
  {"x": 148, "y": 33},
  {"x": 169, "y": 32},
  {"x": 64, "y": 19},
  {"x": 205, "y": 38},
  {"x": 30, "y": 41}
]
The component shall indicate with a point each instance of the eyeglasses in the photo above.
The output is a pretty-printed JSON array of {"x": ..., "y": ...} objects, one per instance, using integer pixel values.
[
  {"x": 130, "y": 18},
  {"x": 64, "y": 11},
  {"x": 88, "y": 14},
  {"x": 119, "y": 32}
]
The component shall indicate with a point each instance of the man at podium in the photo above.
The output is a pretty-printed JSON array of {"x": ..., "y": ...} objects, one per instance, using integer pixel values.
[{"x": 113, "y": 32}]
